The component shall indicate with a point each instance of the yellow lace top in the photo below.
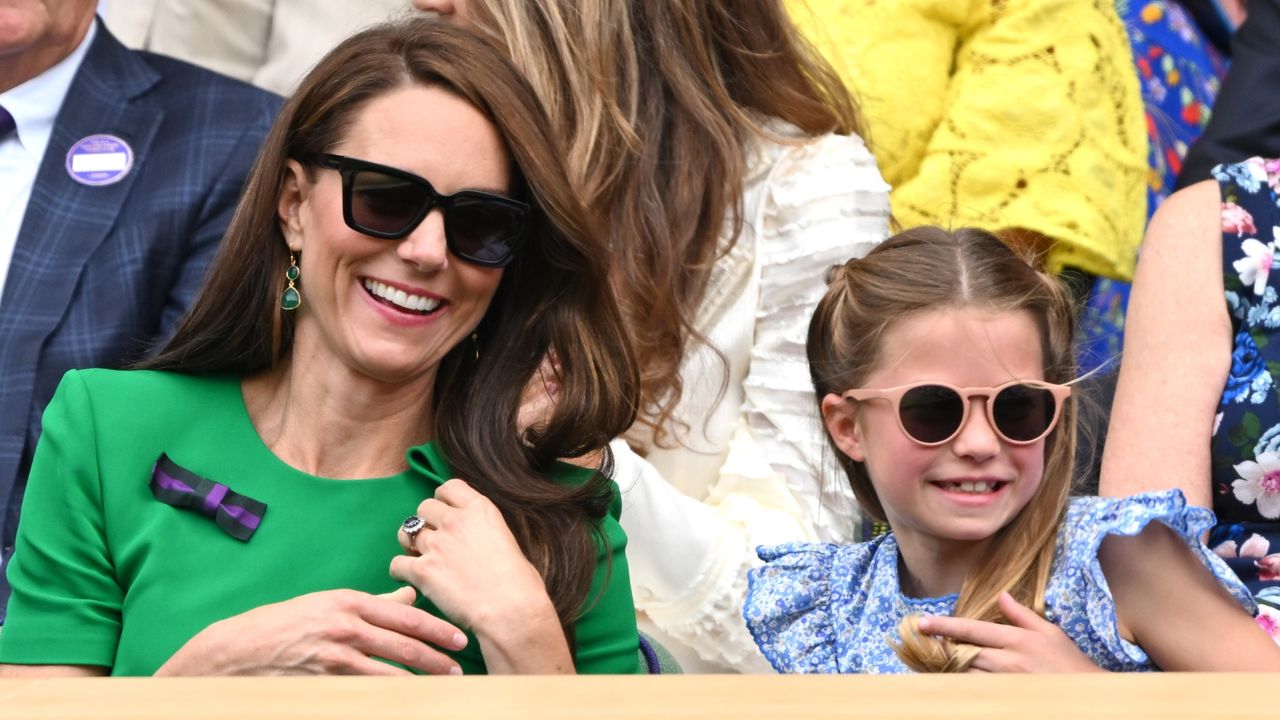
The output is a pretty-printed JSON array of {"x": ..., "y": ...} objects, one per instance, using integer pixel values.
[{"x": 1000, "y": 113}]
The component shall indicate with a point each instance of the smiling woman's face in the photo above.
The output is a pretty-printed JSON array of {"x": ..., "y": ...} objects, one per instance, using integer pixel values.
[{"x": 391, "y": 309}]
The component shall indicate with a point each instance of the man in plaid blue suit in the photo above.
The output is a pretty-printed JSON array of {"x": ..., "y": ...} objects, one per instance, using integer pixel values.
[{"x": 143, "y": 162}]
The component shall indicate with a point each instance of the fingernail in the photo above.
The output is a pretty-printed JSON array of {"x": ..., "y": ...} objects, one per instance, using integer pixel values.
[
  {"x": 455, "y": 670},
  {"x": 459, "y": 640},
  {"x": 553, "y": 388}
]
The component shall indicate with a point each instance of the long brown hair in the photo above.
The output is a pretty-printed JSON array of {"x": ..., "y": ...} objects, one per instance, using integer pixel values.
[
  {"x": 554, "y": 298},
  {"x": 925, "y": 269},
  {"x": 656, "y": 100}
]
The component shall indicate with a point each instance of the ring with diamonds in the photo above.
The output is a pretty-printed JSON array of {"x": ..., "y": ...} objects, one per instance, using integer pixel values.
[{"x": 411, "y": 526}]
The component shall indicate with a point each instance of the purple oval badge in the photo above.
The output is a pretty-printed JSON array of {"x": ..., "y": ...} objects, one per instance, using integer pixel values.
[{"x": 99, "y": 160}]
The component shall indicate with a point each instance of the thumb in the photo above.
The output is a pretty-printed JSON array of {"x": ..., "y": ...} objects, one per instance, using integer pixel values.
[
  {"x": 1018, "y": 614},
  {"x": 406, "y": 595}
]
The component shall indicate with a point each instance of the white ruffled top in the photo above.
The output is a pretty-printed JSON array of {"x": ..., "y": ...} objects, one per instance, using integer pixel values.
[{"x": 752, "y": 467}]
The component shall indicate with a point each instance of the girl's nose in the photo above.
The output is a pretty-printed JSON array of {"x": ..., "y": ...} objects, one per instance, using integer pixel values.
[{"x": 977, "y": 438}]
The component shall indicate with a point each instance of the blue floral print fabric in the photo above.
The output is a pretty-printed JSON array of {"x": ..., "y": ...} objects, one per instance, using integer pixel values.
[
  {"x": 1246, "y": 432},
  {"x": 821, "y": 608}
]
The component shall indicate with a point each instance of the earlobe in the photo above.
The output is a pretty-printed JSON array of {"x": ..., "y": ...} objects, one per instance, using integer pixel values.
[
  {"x": 293, "y": 193},
  {"x": 841, "y": 419}
]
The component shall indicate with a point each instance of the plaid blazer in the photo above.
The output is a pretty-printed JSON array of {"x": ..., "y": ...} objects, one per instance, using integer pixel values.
[{"x": 100, "y": 274}]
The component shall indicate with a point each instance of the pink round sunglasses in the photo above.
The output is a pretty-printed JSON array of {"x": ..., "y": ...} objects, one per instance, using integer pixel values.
[{"x": 932, "y": 413}]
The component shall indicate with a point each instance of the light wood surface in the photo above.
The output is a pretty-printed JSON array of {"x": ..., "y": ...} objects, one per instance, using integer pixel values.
[{"x": 989, "y": 697}]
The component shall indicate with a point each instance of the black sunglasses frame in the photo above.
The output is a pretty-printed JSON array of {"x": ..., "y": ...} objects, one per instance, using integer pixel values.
[{"x": 349, "y": 167}]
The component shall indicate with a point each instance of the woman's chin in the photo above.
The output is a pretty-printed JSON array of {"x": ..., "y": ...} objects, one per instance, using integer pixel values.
[{"x": 401, "y": 369}]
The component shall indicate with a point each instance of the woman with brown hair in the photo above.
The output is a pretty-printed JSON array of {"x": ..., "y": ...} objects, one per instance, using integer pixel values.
[
  {"x": 407, "y": 252},
  {"x": 723, "y": 156}
]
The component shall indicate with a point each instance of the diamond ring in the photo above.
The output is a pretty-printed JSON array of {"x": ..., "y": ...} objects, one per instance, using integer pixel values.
[{"x": 411, "y": 526}]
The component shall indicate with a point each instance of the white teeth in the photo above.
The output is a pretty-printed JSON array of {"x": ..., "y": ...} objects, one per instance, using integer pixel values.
[
  {"x": 399, "y": 297},
  {"x": 969, "y": 486}
]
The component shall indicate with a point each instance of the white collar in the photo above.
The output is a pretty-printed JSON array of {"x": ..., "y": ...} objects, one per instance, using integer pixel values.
[{"x": 35, "y": 103}]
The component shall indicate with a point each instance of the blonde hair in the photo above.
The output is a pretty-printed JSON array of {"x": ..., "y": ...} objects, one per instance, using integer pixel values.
[
  {"x": 925, "y": 269},
  {"x": 655, "y": 101}
]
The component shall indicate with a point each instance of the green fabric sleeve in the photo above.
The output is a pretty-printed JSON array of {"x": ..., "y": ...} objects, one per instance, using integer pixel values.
[
  {"x": 66, "y": 601},
  {"x": 607, "y": 637},
  {"x": 608, "y": 641}
]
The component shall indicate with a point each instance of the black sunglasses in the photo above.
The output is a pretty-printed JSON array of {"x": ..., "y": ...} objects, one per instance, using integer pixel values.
[
  {"x": 932, "y": 413},
  {"x": 479, "y": 227}
]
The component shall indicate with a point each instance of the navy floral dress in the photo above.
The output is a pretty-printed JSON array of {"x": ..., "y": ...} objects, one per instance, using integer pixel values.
[
  {"x": 1246, "y": 433},
  {"x": 821, "y": 608}
]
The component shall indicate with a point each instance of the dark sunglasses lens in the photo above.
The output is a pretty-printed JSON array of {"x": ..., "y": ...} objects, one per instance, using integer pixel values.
[
  {"x": 385, "y": 203},
  {"x": 931, "y": 413},
  {"x": 484, "y": 230},
  {"x": 1023, "y": 412}
]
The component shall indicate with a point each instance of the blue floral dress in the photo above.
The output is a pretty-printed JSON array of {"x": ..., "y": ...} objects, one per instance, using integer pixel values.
[
  {"x": 1179, "y": 73},
  {"x": 820, "y": 608},
  {"x": 1246, "y": 434}
]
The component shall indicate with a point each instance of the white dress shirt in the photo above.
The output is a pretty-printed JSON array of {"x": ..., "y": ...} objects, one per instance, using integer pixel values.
[{"x": 34, "y": 106}]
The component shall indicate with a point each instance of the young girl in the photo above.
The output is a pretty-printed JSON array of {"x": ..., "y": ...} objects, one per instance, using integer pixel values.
[{"x": 940, "y": 362}]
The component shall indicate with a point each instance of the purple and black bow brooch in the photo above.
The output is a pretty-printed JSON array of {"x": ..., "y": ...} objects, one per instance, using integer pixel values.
[{"x": 235, "y": 514}]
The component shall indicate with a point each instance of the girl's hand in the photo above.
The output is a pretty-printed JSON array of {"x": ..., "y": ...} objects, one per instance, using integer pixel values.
[
  {"x": 334, "y": 632},
  {"x": 469, "y": 564},
  {"x": 1030, "y": 644}
]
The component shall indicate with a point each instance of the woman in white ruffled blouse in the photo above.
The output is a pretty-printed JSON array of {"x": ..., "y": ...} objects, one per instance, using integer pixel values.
[{"x": 724, "y": 159}]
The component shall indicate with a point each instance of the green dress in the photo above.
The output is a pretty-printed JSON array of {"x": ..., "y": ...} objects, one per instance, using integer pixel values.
[{"x": 106, "y": 574}]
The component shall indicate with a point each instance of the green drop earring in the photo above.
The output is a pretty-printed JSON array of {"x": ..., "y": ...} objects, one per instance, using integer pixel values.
[{"x": 291, "y": 299}]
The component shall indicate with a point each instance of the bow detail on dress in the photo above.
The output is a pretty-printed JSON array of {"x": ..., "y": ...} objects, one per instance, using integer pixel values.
[{"x": 235, "y": 514}]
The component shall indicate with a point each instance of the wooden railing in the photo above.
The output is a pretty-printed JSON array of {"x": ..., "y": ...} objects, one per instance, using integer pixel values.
[{"x": 957, "y": 697}]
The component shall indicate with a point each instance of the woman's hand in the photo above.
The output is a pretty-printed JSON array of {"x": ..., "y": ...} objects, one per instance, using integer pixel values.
[
  {"x": 334, "y": 632},
  {"x": 469, "y": 564},
  {"x": 1030, "y": 644}
]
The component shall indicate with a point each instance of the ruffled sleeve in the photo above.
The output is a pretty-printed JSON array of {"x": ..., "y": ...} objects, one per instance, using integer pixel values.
[
  {"x": 789, "y": 607},
  {"x": 1083, "y": 604},
  {"x": 825, "y": 203},
  {"x": 754, "y": 470}
]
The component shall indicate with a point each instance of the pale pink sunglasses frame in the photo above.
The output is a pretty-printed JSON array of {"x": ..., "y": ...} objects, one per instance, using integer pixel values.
[{"x": 894, "y": 396}]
